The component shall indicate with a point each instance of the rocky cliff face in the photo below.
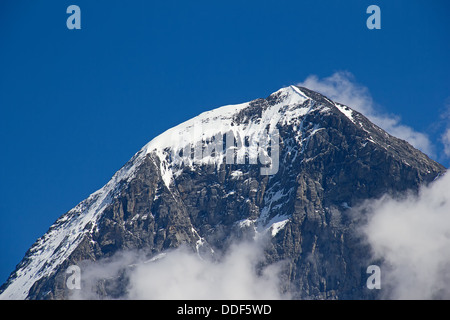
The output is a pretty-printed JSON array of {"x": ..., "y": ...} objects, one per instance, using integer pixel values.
[{"x": 330, "y": 158}]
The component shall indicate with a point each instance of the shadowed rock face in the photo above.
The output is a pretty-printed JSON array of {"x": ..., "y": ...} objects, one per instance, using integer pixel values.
[{"x": 328, "y": 162}]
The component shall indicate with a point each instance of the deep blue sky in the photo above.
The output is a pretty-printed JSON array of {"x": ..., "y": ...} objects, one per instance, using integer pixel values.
[{"x": 75, "y": 105}]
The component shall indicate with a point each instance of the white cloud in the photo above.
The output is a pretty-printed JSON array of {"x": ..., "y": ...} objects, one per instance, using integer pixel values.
[
  {"x": 95, "y": 274},
  {"x": 412, "y": 237},
  {"x": 342, "y": 87},
  {"x": 446, "y": 142},
  {"x": 445, "y": 137},
  {"x": 182, "y": 274}
]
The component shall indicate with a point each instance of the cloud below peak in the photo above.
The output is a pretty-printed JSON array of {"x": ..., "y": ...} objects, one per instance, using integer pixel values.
[
  {"x": 181, "y": 274},
  {"x": 412, "y": 238}
]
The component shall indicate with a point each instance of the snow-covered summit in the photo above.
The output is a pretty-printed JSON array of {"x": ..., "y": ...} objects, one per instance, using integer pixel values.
[{"x": 287, "y": 106}]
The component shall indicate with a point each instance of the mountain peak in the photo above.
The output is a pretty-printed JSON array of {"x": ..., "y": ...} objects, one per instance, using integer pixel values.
[{"x": 186, "y": 187}]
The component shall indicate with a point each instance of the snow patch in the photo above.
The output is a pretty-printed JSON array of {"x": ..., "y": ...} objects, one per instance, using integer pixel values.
[
  {"x": 236, "y": 174},
  {"x": 346, "y": 111}
]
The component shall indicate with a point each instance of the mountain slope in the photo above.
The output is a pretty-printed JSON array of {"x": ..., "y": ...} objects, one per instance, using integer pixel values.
[{"x": 329, "y": 158}]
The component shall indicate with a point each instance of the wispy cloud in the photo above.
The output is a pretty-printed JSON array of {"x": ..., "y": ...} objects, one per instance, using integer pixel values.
[
  {"x": 412, "y": 237},
  {"x": 445, "y": 137},
  {"x": 182, "y": 274},
  {"x": 446, "y": 142},
  {"x": 342, "y": 87}
]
